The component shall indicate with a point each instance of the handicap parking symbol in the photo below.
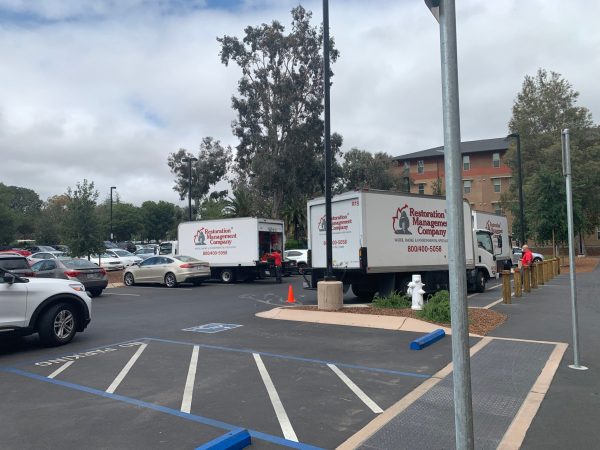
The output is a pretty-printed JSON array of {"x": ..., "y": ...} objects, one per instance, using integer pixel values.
[{"x": 212, "y": 327}]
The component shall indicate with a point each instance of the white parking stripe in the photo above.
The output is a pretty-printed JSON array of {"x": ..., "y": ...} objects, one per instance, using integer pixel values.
[
  {"x": 354, "y": 388},
  {"x": 115, "y": 384},
  {"x": 284, "y": 420},
  {"x": 104, "y": 294},
  {"x": 186, "y": 403},
  {"x": 60, "y": 369}
]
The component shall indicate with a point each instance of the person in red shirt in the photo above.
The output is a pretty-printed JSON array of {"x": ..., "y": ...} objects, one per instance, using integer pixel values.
[
  {"x": 276, "y": 255},
  {"x": 527, "y": 257}
]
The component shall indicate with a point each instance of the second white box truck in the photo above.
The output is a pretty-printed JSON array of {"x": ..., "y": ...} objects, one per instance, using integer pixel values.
[
  {"x": 497, "y": 225},
  {"x": 381, "y": 238},
  {"x": 232, "y": 246}
]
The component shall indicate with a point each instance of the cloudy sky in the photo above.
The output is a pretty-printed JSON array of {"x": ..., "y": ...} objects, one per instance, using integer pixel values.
[{"x": 106, "y": 89}]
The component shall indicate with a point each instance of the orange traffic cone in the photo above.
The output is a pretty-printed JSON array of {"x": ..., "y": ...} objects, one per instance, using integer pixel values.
[{"x": 291, "y": 295}]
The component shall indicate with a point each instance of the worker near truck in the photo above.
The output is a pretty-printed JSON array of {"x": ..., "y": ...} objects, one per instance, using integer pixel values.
[{"x": 276, "y": 259}]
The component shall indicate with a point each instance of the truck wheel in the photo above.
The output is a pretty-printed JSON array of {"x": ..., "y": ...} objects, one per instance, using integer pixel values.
[
  {"x": 480, "y": 281},
  {"x": 170, "y": 280},
  {"x": 58, "y": 325},
  {"x": 363, "y": 292},
  {"x": 227, "y": 276},
  {"x": 301, "y": 268}
]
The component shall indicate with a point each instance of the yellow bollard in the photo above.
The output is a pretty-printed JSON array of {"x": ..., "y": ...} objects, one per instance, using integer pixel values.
[
  {"x": 534, "y": 278},
  {"x": 526, "y": 279},
  {"x": 506, "y": 286},
  {"x": 517, "y": 279}
]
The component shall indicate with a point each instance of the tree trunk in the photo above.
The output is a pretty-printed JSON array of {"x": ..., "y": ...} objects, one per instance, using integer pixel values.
[{"x": 276, "y": 205}]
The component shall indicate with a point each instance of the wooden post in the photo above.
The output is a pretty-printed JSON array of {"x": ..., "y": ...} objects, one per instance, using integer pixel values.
[
  {"x": 540, "y": 273},
  {"x": 526, "y": 279},
  {"x": 556, "y": 267},
  {"x": 533, "y": 268},
  {"x": 506, "y": 286},
  {"x": 517, "y": 279}
]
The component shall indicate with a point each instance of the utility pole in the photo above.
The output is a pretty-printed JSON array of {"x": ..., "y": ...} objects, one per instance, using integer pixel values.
[{"x": 189, "y": 160}]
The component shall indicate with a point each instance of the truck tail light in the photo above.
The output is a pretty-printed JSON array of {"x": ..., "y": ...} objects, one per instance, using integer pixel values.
[{"x": 362, "y": 258}]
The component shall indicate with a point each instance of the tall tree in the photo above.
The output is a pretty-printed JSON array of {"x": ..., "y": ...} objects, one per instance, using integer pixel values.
[
  {"x": 545, "y": 106},
  {"x": 25, "y": 205},
  {"x": 363, "y": 169},
  {"x": 83, "y": 233},
  {"x": 279, "y": 107},
  {"x": 127, "y": 221},
  {"x": 50, "y": 226},
  {"x": 211, "y": 167}
]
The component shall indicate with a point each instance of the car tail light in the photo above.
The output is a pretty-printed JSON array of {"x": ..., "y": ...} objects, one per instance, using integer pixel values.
[
  {"x": 186, "y": 266},
  {"x": 102, "y": 271},
  {"x": 29, "y": 274},
  {"x": 72, "y": 273}
]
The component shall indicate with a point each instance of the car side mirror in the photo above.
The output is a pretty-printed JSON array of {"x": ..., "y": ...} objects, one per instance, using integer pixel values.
[{"x": 9, "y": 278}]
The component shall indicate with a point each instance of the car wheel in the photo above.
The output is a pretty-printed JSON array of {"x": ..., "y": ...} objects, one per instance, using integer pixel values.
[
  {"x": 128, "y": 279},
  {"x": 96, "y": 292},
  {"x": 301, "y": 268},
  {"x": 58, "y": 325},
  {"x": 170, "y": 280},
  {"x": 537, "y": 260},
  {"x": 480, "y": 281}
]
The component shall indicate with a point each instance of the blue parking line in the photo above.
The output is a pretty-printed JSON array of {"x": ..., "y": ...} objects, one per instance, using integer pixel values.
[
  {"x": 296, "y": 358},
  {"x": 192, "y": 417},
  {"x": 234, "y": 440}
]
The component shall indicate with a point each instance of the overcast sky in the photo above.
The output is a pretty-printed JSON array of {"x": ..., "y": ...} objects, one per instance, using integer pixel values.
[{"x": 106, "y": 89}]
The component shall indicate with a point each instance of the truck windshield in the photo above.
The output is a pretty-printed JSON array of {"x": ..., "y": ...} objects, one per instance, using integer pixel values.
[{"x": 484, "y": 241}]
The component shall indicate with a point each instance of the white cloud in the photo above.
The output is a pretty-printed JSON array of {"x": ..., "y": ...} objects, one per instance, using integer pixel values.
[{"x": 107, "y": 91}]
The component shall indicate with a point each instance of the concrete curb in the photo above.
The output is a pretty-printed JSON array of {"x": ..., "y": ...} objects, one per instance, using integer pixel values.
[
  {"x": 397, "y": 323},
  {"x": 114, "y": 285}
]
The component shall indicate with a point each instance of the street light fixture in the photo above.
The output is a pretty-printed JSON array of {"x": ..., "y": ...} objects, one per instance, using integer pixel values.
[
  {"x": 189, "y": 160},
  {"x": 520, "y": 186},
  {"x": 111, "y": 214}
]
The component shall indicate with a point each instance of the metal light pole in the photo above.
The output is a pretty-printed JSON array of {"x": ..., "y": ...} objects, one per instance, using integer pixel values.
[
  {"x": 111, "y": 215},
  {"x": 189, "y": 160},
  {"x": 566, "y": 160},
  {"x": 520, "y": 185},
  {"x": 328, "y": 234},
  {"x": 444, "y": 12}
]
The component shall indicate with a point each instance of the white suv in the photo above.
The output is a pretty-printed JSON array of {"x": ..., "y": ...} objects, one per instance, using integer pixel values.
[{"x": 56, "y": 309}]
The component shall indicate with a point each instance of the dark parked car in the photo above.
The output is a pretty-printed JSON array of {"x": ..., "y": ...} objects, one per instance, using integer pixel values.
[
  {"x": 16, "y": 264},
  {"x": 86, "y": 272}
]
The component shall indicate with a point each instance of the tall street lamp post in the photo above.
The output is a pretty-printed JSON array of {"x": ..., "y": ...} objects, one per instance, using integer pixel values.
[
  {"x": 189, "y": 160},
  {"x": 111, "y": 215},
  {"x": 520, "y": 186}
]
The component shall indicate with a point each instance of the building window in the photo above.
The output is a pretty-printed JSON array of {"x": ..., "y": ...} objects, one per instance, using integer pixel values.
[
  {"x": 406, "y": 181},
  {"x": 497, "y": 208},
  {"x": 497, "y": 184},
  {"x": 496, "y": 159},
  {"x": 421, "y": 188},
  {"x": 466, "y": 162},
  {"x": 420, "y": 166},
  {"x": 407, "y": 166},
  {"x": 467, "y": 186}
]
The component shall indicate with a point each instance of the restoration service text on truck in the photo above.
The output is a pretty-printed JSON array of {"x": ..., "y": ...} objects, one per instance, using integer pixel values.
[{"x": 380, "y": 239}]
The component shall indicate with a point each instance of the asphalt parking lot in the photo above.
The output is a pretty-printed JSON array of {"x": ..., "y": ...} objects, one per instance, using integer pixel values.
[{"x": 176, "y": 368}]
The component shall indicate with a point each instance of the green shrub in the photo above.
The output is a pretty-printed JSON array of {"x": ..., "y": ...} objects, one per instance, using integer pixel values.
[
  {"x": 394, "y": 300},
  {"x": 437, "y": 308},
  {"x": 291, "y": 244}
]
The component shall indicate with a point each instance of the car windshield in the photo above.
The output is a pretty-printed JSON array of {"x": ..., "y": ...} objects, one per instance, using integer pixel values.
[
  {"x": 123, "y": 253},
  {"x": 184, "y": 258},
  {"x": 79, "y": 264},
  {"x": 13, "y": 263}
]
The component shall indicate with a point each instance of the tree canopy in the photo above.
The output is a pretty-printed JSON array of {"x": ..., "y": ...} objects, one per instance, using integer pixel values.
[
  {"x": 362, "y": 169},
  {"x": 279, "y": 107}
]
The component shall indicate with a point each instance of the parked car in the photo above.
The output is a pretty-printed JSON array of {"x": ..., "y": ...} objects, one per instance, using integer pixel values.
[
  {"x": 20, "y": 251},
  {"x": 92, "y": 276},
  {"x": 145, "y": 253},
  {"x": 168, "y": 270},
  {"x": 62, "y": 248},
  {"x": 126, "y": 257},
  {"x": 298, "y": 255},
  {"x": 35, "y": 257},
  {"x": 107, "y": 261},
  {"x": 16, "y": 263},
  {"x": 55, "y": 309},
  {"x": 40, "y": 248},
  {"x": 518, "y": 254},
  {"x": 127, "y": 245}
]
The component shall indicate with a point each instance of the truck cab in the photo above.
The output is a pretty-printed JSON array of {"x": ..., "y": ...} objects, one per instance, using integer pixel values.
[{"x": 485, "y": 257}]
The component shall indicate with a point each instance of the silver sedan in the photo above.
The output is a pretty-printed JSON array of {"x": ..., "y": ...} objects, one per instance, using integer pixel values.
[{"x": 168, "y": 270}]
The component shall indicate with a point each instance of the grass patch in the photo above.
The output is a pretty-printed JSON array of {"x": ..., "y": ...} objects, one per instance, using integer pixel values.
[
  {"x": 437, "y": 308},
  {"x": 394, "y": 300}
]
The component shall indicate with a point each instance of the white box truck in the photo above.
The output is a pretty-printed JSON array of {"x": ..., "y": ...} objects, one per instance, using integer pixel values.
[
  {"x": 497, "y": 225},
  {"x": 381, "y": 238},
  {"x": 233, "y": 247}
]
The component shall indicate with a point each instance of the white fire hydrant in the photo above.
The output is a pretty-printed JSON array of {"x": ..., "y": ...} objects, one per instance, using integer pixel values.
[{"x": 415, "y": 289}]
